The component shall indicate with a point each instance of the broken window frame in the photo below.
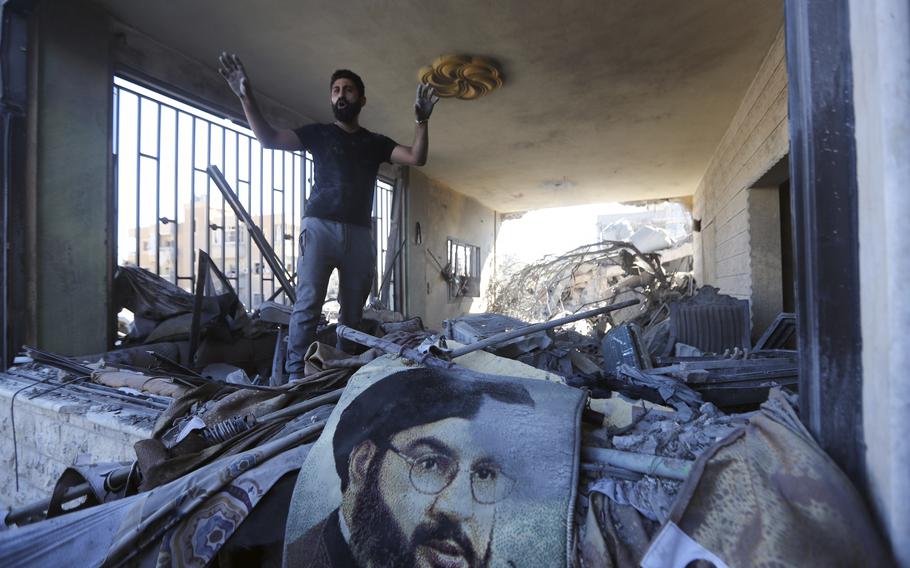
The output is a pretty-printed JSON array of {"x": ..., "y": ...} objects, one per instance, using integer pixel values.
[{"x": 463, "y": 264}]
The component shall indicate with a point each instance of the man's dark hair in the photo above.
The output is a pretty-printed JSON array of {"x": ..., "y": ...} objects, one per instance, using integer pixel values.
[
  {"x": 412, "y": 398},
  {"x": 348, "y": 74}
]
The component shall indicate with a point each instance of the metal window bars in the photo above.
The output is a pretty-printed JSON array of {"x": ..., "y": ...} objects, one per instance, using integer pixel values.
[{"x": 165, "y": 201}]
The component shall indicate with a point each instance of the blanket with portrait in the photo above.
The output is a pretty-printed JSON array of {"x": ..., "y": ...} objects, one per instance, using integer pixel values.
[{"x": 429, "y": 467}]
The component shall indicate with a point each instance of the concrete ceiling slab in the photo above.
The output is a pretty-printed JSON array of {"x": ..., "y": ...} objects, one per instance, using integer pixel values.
[{"x": 604, "y": 100}]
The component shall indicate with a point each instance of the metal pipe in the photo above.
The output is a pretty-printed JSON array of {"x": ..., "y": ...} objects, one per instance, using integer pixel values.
[
  {"x": 18, "y": 515},
  {"x": 534, "y": 328},
  {"x": 671, "y": 468}
]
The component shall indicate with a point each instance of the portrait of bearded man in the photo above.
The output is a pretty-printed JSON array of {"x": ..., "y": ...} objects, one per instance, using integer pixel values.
[{"x": 419, "y": 486}]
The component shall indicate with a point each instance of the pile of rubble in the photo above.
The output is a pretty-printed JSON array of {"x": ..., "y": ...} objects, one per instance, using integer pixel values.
[
  {"x": 595, "y": 274},
  {"x": 671, "y": 383},
  {"x": 647, "y": 433}
]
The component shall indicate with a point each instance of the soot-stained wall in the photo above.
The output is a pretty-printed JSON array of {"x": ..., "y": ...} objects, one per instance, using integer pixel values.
[
  {"x": 443, "y": 213},
  {"x": 70, "y": 204}
]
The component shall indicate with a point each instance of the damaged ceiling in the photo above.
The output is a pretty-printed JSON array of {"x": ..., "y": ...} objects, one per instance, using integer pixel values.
[{"x": 602, "y": 101}]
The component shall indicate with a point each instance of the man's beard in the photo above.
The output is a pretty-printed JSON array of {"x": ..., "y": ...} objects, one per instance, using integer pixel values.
[
  {"x": 348, "y": 113},
  {"x": 376, "y": 538}
]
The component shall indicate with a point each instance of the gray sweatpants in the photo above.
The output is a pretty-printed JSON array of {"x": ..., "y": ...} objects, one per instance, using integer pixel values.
[{"x": 324, "y": 246}]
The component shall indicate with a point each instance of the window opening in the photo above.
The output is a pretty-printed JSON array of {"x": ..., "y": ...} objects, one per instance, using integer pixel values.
[
  {"x": 464, "y": 269},
  {"x": 382, "y": 226}
]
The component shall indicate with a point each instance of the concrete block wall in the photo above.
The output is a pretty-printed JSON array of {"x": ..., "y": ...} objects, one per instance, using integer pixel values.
[
  {"x": 58, "y": 430},
  {"x": 443, "y": 213},
  {"x": 755, "y": 141}
]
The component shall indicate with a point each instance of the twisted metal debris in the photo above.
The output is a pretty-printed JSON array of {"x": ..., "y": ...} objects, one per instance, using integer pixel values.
[{"x": 559, "y": 283}]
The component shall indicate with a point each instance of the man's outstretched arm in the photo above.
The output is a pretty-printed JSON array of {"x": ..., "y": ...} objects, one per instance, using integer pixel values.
[
  {"x": 269, "y": 137},
  {"x": 416, "y": 154}
]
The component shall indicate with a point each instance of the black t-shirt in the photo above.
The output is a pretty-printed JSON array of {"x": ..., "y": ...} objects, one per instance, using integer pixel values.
[{"x": 346, "y": 168}]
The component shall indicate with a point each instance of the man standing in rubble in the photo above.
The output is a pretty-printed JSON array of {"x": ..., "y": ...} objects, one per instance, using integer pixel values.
[{"x": 336, "y": 229}]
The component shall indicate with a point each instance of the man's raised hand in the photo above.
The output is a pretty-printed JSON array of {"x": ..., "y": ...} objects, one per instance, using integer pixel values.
[
  {"x": 233, "y": 72},
  {"x": 426, "y": 100}
]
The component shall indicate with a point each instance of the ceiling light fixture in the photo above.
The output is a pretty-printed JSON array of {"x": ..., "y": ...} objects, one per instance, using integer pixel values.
[{"x": 463, "y": 77}]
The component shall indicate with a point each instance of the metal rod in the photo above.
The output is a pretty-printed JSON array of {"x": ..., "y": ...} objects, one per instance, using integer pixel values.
[
  {"x": 282, "y": 226},
  {"x": 271, "y": 194},
  {"x": 138, "y": 179},
  {"x": 145, "y": 401},
  {"x": 388, "y": 267},
  {"x": 198, "y": 294},
  {"x": 306, "y": 405},
  {"x": 58, "y": 361},
  {"x": 261, "y": 218},
  {"x": 249, "y": 238},
  {"x": 177, "y": 196},
  {"x": 223, "y": 213},
  {"x": 237, "y": 221},
  {"x": 208, "y": 189},
  {"x": 295, "y": 194},
  {"x": 161, "y": 359},
  {"x": 192, "y": 208},
  {"x": 534, "y": 328},
  {"x": 391, "y": 348},
  {"x": 671, "y": 468},
  {"x": 272, "y": 222},
  {"x": 158, "y": 192},
  {"x": 268, "y": 253}
]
